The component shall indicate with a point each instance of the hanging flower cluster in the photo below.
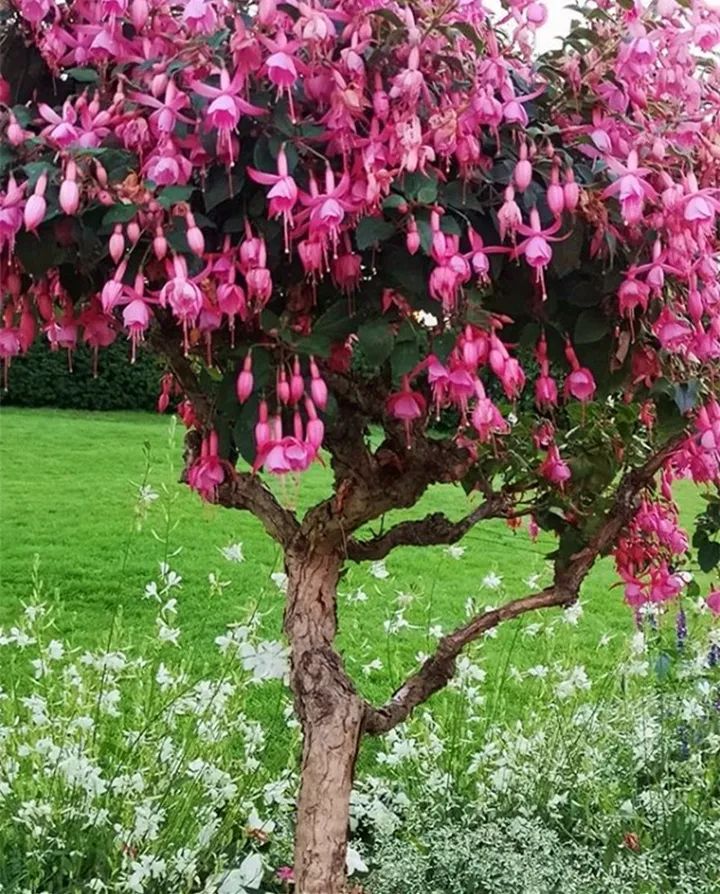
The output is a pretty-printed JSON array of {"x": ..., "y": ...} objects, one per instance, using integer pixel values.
[{"x": 218, "y": 177}]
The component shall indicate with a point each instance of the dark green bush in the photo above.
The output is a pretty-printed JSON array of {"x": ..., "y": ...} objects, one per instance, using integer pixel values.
[{"x": 42, "y": 378}]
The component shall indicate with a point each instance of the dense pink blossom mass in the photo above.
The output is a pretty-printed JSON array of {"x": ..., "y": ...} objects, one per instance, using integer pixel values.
[{"x": 305, "y": 199}]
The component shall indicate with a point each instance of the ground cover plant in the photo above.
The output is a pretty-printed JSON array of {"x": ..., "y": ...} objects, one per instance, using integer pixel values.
[{"x": 353, "y": 232}]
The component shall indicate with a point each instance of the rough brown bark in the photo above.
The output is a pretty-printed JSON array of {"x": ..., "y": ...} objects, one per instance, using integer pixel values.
[{"x": 331, "y": 714}]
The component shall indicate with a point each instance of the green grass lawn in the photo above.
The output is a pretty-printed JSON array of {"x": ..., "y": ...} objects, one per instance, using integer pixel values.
[{"x": 68, "y": 488}]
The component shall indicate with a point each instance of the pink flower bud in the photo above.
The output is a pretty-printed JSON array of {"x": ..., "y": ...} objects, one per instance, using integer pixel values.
[
  {"x": 245, "y": 381},
  {"x": 101, "y": 174},
  {"x": 34, "y": 212},
  {"x": 158, "y": 84},
  {"x": 283, "y": 387},
  {"x": 116, "y": 245},
  {"x": 139, "y": 13},
  {"x": 412, "y": 240},
  {"x": 571, "y": 191},
  {"x": 523, "y": 174},
  {"x": 195, "y": 238},
  {"x": 15, "y": 133},
  {"x": 262, "y": 427},
  {"x": 133, "y": 232},
  {"x": 160, "y": 245},
  {"x": 297, "y": 383},
  {"x": 69, "y": 191},
  {"x": 318, "y": 388}
]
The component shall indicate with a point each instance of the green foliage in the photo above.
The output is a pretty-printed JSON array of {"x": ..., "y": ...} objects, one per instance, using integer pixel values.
[{"x": 42, "y": 378}]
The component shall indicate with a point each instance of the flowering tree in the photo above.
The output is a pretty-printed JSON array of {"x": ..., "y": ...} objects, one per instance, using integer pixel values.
[{"x": 338, "y": 218}]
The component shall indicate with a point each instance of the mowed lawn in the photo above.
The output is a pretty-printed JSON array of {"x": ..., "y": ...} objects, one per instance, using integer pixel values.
[{"x": 68, "y": 490}]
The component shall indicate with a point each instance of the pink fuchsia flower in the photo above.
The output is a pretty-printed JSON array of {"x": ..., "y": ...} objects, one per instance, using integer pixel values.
[
  {"x": 407, "y": 406},
  {"x": 713, "y": 602},
  {"x": 225, "y": 108},
  {"x": 168, "y": 111},
  {"x": 554, "y": 468},
  {"x": 630, "y": 188},
  {"x": 11, "y": 213},
  {"x": 283, "y": 194},
  {"x": 245, "y": 380},
  {"x": 580, "y": 383},
  {"x": 200, "y": 16},
  {"x": 487, "y": 420},
  {"x": 36, "y": 205},
  {"x": 183, "y": 296},
  {"x": 536, "y": 247},
  {"x": 285, "y": 874},
  {"x": 318, "y": 388},
  {"x": 208, "y": 472}
]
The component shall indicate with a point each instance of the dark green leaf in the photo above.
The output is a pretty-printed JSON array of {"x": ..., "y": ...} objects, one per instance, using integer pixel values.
[
  {"x": 119, "y": 214},
  {"x": 404, "y": 358},
  {"x": 709, "y": 556},
  {"x": 592, "y": 326},
  {"x": 376, "y": 340},
  {"x": 171, "y": 195},
  {"x": 371, "y": 230},
  {"x": 83, "y": 75},
  {"x": 222, "y": 186}
]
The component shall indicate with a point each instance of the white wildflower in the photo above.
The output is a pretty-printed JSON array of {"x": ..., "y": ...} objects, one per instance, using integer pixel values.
[
  {"x": 492, "y": 581},
  {"x": 266, "y": 661},
  {"x": 374, "y": 665},
  {"x": 379, "y": 570},
  {"x": 248, "y": 875},
  {"x": 280, "y": 579},
  {"x": 233, "y": 552},
  {"x": 354, "y": 861},
  {"x": 572, "y": 614},
  {"x": 454, "y": 551}
]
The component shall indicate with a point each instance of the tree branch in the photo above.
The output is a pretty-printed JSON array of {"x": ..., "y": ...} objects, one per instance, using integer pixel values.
[
  {"x": 246, "y": 491},
  {"x": 241, "y": 490},
  {"x": 439, "y": 669},
  {"x": 433, "y": 530}
]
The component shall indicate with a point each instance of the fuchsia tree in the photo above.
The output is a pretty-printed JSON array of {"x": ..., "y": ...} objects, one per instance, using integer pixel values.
[{"x": 338, "y": 217}]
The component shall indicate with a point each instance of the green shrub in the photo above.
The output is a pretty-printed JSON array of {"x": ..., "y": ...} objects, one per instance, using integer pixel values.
[{"x": 42, "y": 378}]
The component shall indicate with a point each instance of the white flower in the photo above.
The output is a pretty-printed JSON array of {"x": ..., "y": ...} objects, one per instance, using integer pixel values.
[
  {"x": 358, "y": 595},
  {"x": 216, "y": 584},
  {"x": 532, "y": 582},
  {"x": 605, "y": 640},
  {"x": 492, "y": 581},
  {"x": 637, "y": 643},
  {"x": 430, "y": 321},
  {"x": 163, "y": 677},
  {"x": 167, "y": 634},
  {"x": 573, "y": 613},
  {"x": 147, "y": 867},
  {"x": 170, "y": 578},
  {"x": 151, "y": 591},
  {"x": 266, "y": 661},
  {"x": 539, "y": 671},
  {"x": 248, "y": 875},
  {"x": 574, "y": 681},
  {"x": 146, "y": 495},
  {"x": 404, "y": 599},
  {"x": 233, "y": 552},
  {"x": 455, "y": 551},
  {"x": 354, "y": 861},
  {"x": 54, "y": 650},
  {"x": 255, "y": 824},
  {"x": 532, "y": 629},
  {"x": 436, "y": 631},
  {"x": 374, "y": 665},
  {"x": 379, "y": 570},
  {"x": 280, "y": 579}
]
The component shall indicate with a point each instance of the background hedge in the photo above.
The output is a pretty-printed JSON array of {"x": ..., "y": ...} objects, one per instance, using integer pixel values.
[{"x": 41, "y": 378}]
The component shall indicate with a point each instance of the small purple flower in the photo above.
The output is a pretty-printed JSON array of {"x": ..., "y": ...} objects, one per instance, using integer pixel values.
[{"x": 681, "y": 629}]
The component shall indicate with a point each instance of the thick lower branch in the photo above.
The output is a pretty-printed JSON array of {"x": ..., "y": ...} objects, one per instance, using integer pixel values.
[
  {"x": 439, "y": 669},
  {"x": 247, "y": 491},
  {"x": 433, "y": 530}
]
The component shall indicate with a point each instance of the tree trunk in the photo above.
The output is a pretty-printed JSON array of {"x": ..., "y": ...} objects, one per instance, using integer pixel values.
[{"x": 331, "y": 714}]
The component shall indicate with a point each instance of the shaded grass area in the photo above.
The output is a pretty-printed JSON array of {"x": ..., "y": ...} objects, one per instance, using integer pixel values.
[{"x": 68, "y": 492}]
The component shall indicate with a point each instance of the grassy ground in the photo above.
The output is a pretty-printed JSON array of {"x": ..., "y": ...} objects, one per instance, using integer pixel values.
[{"x": 68, "y": 486}]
